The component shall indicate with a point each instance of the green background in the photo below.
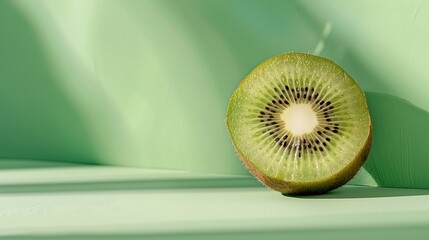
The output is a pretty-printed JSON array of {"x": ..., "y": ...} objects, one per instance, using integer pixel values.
[
  {"x": 112, "y": 118},
  {"x": 147, "y": 83}
]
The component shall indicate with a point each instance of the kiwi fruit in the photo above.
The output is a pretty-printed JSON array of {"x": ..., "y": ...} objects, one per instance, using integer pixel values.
[{"x": 300, "y": 124}]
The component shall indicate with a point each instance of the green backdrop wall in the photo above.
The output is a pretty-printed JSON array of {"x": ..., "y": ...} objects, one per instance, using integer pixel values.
[{"x": 147, "y": 83}]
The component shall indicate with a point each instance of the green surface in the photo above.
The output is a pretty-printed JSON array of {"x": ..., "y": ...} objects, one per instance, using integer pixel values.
[
  {"x": 50, "y": 176},
  {"x": 207, "y": 206},
  {"x": 147, "y": 83}
]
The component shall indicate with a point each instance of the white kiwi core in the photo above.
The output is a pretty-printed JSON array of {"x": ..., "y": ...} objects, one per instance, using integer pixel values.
[{"x": 299, "y": 118}]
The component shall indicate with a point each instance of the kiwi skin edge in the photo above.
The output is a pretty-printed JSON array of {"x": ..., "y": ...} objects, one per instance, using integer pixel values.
[{"x": 312, "y": 187}]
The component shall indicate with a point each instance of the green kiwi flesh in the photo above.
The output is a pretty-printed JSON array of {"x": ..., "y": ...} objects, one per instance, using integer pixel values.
[{"x": 300, "y": 124}]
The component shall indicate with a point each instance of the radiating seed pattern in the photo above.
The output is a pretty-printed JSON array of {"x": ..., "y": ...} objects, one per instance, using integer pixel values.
[{"x": 331, "y": 113}]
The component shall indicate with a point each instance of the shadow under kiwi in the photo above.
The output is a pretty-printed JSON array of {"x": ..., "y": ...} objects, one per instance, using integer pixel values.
[{"x": 350, "y": 192}]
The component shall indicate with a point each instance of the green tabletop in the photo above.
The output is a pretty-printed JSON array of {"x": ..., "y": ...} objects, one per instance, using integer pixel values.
[{"x": 73, "y": 201}]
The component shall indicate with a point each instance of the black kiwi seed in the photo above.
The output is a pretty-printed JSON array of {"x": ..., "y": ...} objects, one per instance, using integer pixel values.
[{"x": 280, "y": 101}]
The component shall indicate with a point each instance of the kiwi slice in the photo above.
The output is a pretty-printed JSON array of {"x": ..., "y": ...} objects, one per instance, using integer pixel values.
[{"x": 300, "y": 124}]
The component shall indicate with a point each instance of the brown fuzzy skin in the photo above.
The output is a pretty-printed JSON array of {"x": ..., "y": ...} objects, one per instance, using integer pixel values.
[{"x": 314, "y": 187}]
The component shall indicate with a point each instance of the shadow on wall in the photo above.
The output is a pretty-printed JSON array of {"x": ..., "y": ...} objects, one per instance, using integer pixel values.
[
  {"x": 399, "y": 155},
  {"x": 37, "y": 120}
]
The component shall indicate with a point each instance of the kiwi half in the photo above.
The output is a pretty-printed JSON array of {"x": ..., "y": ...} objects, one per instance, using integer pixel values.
[{"x": 300, "y": 124}]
